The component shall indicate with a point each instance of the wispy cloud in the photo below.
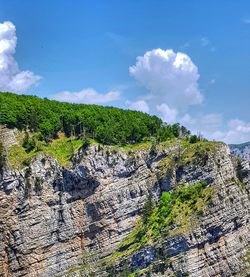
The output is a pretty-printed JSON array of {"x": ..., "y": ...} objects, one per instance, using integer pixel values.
[
  {"x": 212, "y": 81},
  {"x": 116, "y": 38},
  {"x": 237, "y": 131},
  {"x": 246, "y": 20},
  {"x": 185, "y": 45},
  {"x": 86, "y": 96},
  {"x": 205, "y": 41}
]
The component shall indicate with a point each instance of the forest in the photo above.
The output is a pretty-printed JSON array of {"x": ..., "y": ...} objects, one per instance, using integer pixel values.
[{"x": 107, "y": 125}]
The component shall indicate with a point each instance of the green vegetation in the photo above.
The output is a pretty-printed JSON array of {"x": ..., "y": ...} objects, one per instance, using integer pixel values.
[
  {"x": 61, "y": 148},
  {"x": 106, "y": 125},
  {"x": 183, "y": 153},
  {"x": 194, "y": 139},
  {"x": 198, "y": 152},
  {"x": 148, "y": 208},
  {"x": 174, "y": 214},
  {"x": 147, "y": 144}
]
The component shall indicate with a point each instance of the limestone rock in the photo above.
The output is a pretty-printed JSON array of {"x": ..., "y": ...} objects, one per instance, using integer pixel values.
[{"x": 53, "y": 219}]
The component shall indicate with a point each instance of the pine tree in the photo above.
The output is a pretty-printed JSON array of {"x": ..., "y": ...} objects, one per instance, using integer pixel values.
[{"x": 148, "y": 208}]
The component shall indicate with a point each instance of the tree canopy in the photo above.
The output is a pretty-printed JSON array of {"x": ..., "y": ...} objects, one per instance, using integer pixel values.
[{"x": 107, "y": 125}]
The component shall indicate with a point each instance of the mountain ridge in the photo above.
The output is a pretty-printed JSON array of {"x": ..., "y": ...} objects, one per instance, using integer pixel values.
[{"x": 241, "y": 150}]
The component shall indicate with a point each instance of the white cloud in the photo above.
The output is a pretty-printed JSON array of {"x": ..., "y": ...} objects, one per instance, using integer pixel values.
[
  {"x": 187, "y": 120},
  {"x": 139, "y": 105},
  {"x": 87, "y": 96},
  {"x": 240, "y": 126},
  {"x": 238, "y": 131},
  {"x": 11, "y": 78},
  {"x": 170, "y": 77},
  {"x": 211, "y": 121},
  {"x": 172, "y": 83},
  {"x": 167, "y": 114}
]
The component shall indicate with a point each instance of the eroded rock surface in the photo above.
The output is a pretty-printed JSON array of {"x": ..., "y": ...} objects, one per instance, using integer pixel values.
[{"x": 52, "y": 218}]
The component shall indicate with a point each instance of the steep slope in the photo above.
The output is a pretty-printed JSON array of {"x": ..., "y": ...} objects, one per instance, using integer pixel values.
[
  {"x": 241, "y": 150},
  {"x": 58, "y": 221}
]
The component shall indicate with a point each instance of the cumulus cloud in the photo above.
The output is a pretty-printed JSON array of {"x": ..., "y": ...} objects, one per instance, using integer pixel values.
[
  {"x": 140, "y": 105},
  {"x": 11, "y": 78},
  {"x": 171, "y": 78},
  {"x": 87, "y": 96},
  {"x": 167, "y": 114}
]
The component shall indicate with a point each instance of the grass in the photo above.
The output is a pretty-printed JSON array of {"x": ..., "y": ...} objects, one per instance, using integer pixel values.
[
  {"x": 175, "y": 214},
  {"x": 166, "y": 165},
  {"x": 138, "y": 146},
  {"x": 185, "y": 213},
  {"x": 61, "y": 148},
  {"x": 145, "y": 145},
  {"x": 198, "y": 152}
]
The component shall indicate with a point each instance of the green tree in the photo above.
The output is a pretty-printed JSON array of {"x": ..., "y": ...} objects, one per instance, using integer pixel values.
[
  {"x": 108, "y": 125},
  {"x": 194, "y": 139},
  {"x": 164, "y": 207},
  {"x": 148, "y": 208}
]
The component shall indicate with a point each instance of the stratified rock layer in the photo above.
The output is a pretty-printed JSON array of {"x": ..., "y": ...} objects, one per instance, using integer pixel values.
[{"x": 52, "y": 218}]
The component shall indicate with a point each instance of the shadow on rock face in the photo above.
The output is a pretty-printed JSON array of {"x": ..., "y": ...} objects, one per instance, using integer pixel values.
[{"x": 78, "y": 183}]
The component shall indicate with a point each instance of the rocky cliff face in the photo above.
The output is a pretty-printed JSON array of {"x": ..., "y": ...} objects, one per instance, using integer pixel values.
[{"x": 56, "y": 221}]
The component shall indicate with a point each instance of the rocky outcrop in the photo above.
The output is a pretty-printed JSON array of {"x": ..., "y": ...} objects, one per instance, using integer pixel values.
[
  {"x": 8, "y": 136},
  {"x": 50, "y": 216},
  {"x": 54, "y": 219}
]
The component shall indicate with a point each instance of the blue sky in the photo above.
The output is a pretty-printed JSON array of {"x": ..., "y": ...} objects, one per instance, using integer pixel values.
[{"x": 87, "y": 51}]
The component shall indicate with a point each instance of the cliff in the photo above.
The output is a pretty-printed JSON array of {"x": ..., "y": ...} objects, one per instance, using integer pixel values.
[{"x": 79, "y": 220}]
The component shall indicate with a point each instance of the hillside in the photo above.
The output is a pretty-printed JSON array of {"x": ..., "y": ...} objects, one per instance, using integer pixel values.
[
  {"x": 106, "y": 125},
  {"x": 241, "y": 150}
]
